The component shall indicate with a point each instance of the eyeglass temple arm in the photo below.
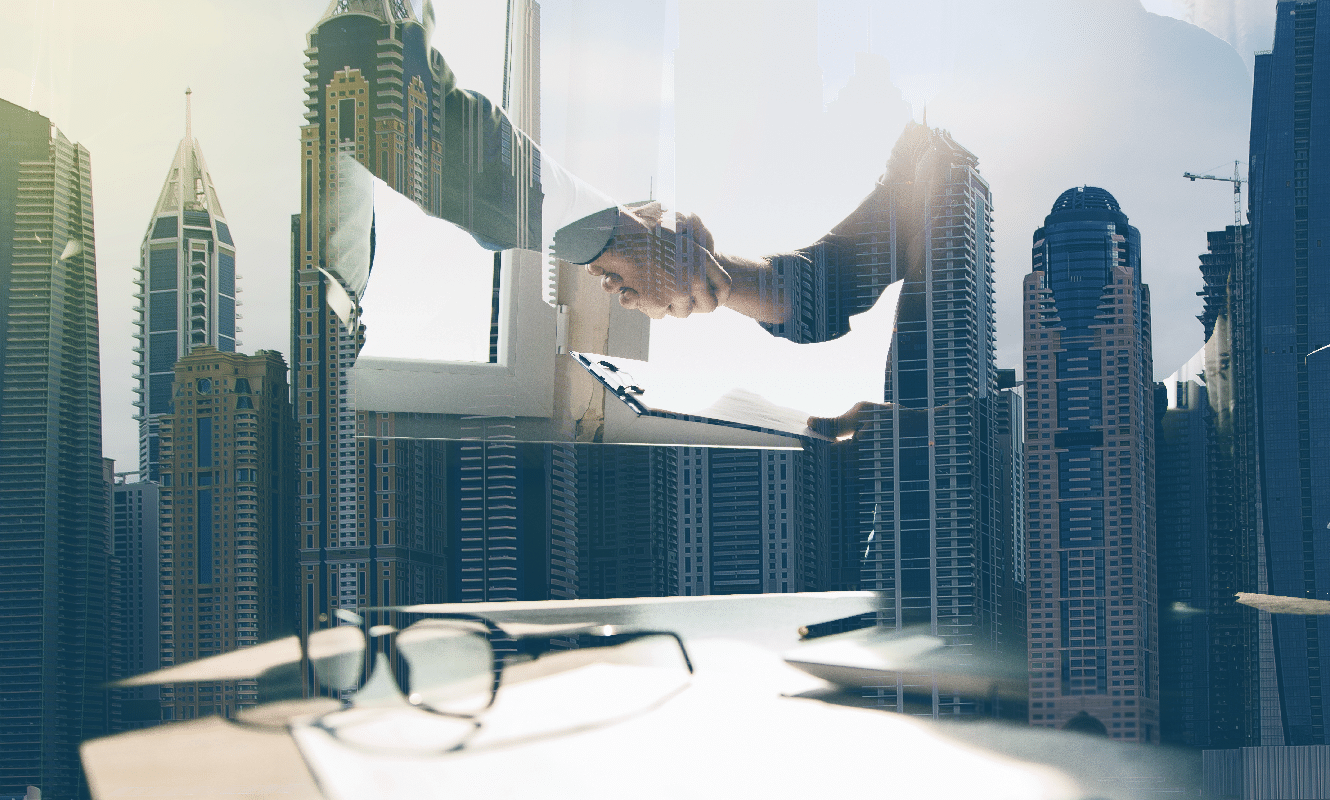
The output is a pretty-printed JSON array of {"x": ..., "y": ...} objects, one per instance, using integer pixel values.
[
  {"x": 537, "y": 646},
  {"x": 306, "y": 668}
]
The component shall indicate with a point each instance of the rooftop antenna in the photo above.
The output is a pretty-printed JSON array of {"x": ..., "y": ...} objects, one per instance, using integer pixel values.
[
  {"x": 925, "y": 114},
  {"x": 188, "y": 136}
]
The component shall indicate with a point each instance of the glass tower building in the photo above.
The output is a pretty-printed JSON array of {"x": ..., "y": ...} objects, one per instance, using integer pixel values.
[
  {"x": 136, "y": 540},
  {"x": 1215, "y": 689},
  {"x": 54, "y": 529},
  {"x": 927, "y": 492},
  {"x": 1090, "y": 471},
  {"x": 186, "y": 288},
  {"x": 385, "y": 519},
  {"x": 1290, "y": 219}
]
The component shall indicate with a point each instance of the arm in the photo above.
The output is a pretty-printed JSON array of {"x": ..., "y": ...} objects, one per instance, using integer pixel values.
[
  {"x": 696, "y": 280},
  {"x": 754, "y": 293},
  {"x": 482, "y": 173},
  {"x": 765, "y": 288},
  {"x": 659, "y": 270}
]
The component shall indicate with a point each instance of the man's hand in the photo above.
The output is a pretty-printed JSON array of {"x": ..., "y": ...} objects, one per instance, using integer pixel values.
[
  {"x": 659, "y": 272},
  {"x": 849, "y": 424}
]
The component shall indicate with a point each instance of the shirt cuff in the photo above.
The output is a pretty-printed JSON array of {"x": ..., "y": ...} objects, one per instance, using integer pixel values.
[{"x": 584, "y": 241}]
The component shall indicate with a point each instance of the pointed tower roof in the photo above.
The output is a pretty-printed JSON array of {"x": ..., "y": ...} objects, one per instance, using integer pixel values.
[
  {"x": 386, "y": 10},
  {"x": 188, "y": 185}
]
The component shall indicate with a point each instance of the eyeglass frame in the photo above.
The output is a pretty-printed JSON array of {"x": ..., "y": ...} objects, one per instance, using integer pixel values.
[{"x": 493, "y": 631}]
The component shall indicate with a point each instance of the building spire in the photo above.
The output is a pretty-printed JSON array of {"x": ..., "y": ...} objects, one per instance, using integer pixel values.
[{"x": 188, "y": 185}]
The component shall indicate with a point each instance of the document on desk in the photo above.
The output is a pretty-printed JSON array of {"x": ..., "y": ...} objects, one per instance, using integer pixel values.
[
  {"x": 710, "y": 368},
  {"x": 728, "y": 733}
]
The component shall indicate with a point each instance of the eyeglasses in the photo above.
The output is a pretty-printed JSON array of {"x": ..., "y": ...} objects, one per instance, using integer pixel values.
[{"x": 448, "y": 668}]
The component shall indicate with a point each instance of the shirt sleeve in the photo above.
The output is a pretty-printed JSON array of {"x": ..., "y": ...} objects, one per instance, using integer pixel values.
[{"x": 493, "y": 182}]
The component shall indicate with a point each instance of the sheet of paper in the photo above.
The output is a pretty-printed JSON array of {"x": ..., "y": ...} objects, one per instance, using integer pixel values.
[
  {"x": 703, "y": 736},
  {"x": 714, "y": 360}
]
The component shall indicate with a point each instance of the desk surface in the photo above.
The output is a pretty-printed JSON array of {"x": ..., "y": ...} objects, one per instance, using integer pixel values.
[{"x": 730, "y": 731}]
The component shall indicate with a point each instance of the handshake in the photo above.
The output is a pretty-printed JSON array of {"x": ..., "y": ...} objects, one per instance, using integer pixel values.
[{"x": 663, "y": 272}]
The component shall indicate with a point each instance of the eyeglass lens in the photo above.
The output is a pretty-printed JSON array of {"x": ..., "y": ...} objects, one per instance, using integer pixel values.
[
  {"x": 450, "y": 666},
  {"x": 338, "y": 657}
]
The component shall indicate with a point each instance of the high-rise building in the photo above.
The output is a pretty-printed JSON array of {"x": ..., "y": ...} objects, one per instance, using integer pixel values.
[
  {"x": 1089, "y": 421},
  {"x": 512, "y": 521},
  {"x": 845, "y": 534},
  {"x": 921, "y": 504},
  {"x": 927, "y": 486},
  {"x": 186, "y": 287},
  {"x": 138, "y": 606},
  {"x": 227, "y": 518},
  {"x": 1209, "y": 645},
  {"x": 1182, "y": 442},
  {"x": 54, "y": 548},
  {"x": 379, "y": 511},
  {"x": 745, "y": 522},
  {"x": 1290, "y": 292},
  {"x": 356, "y": 494},
  {"x": 912, "y": 507},
  {"x": 1006, "y": 464},
  {"x": 627, "y": 521}
]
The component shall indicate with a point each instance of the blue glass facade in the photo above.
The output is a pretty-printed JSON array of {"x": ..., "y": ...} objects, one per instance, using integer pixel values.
[
  {"x": 1212, "y": 692},
  {"x": 928, "y": 521},
  {"x": 54, "y": 535},
  {"x": 1290, "y": 217},
  {"x": 1090, "y": 471},
  {"x": 186, "y": 289}
]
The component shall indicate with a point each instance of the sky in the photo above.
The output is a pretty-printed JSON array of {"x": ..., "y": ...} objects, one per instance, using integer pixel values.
[{"x": 769, "y": 120}]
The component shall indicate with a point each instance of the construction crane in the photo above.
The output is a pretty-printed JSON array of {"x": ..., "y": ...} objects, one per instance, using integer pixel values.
[
  {"x": 1238, "y": 238},
  {"x": 1236, "y": 180}
]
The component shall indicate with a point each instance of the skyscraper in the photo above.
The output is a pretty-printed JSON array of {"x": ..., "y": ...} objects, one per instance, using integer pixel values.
[
  {"x": 1289, "y": 216},
  {"x": 1006, "y": 463},
  {"x": 186, "y": 287},
  {"x": 628, "y": 509},
  {"x": 135, "y": 509},
  {"x": 54, "y": 548},
  {"x": 512, "y": 521},
  {"x": 927, "y": 513},
  {"x": 356, "y": 494},
  {"x": 745, "y": 522},
  {"x": 1210, "y": 688},
  {"x": 227, "y": 539},
  {"x": 1090, "y": 471},
  {"x": 378, "y": 510}
]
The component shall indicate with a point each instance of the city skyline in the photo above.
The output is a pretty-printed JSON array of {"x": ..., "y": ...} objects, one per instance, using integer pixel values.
[
  {"x": 260, "y": 199},
  {"x": 349, "y": 515}
]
